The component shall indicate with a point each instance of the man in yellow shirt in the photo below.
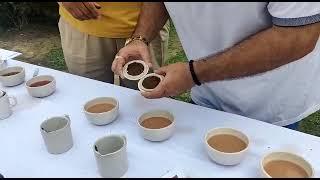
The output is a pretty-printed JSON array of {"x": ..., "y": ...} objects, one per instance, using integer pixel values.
[{"x": 93, "y": 32}]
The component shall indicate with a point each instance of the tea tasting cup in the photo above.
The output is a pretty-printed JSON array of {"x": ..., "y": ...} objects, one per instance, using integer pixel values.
[
  {"x": 226, "y": 158},
  {"x": 143, "y": 87},
  {"x": 111, "y": 155},
  {"x": 41, "y": 86},
  {"x": 6, "y": 105},
  {"x": 3, "y": 64},
  {"x": 156, "y": 133},
  {"x": 12, "y": 76},
  {"x": 285, "y": 156},
  {"x": 103, "y": 117},
  {"x": 137, "y": 73},
  {"x": 57, "y": 135}
]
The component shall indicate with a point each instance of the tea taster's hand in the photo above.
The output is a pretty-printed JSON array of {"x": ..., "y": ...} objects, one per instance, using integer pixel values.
[
  {"x": 133, "y": 51},
  {"x": 177, "y": 79}
]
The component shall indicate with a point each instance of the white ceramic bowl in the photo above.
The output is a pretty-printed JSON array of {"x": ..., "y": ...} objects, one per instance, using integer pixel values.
[
  {"x": 105, "y": 117},
  {"x": 13, "y": 80},
  {"x": 142, "y": 88},
  {"x": 41, "y": 91},
  {"x": 224, "y": 158},
  {"x": 157, "y": 134},
  {"x": 285, "y": 156},
  {"x": 134, "y": 78}
]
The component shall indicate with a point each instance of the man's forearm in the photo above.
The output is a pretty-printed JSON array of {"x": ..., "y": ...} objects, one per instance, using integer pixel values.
[
  {"x": 262, "y": 52},
  {"x": 152, "y": 18}
]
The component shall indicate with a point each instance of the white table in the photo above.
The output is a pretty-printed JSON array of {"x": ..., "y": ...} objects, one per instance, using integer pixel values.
[{"x": 23, "y": 154}]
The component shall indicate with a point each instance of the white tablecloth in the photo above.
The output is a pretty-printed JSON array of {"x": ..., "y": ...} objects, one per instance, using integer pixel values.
[
  {"x": 23, "y": 153},
  {"x": 6, "y": 54}
]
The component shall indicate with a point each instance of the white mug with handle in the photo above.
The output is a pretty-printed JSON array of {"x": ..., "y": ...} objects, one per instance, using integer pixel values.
[
  {"x": 111, "y": 155},
  {"x": 6, "y": 105}
]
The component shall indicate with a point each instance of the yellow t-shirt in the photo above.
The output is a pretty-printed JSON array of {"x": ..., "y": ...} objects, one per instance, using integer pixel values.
[{"x": 118, "y": 20}]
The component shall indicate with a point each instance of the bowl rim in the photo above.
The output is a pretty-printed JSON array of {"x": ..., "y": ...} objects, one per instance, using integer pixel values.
[
  {"x": 28, "y": 83},
  {"x": 206, "y": 137},
  {"x": 289, "y": 154},
  {"x": 102, "y": 97},
  {"x": 173, "y": 122},
  {"x": 137, "y": 77}
]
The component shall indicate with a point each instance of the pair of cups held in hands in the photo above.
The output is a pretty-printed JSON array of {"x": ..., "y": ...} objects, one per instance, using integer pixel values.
[{"x": 172, "y": 79}]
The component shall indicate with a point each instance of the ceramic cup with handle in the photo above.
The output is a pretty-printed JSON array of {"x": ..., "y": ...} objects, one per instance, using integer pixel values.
[
  {"x": 6, "y": 105},
  {"x": 3, "y": 64},
  {"x": 288, "y": 157},
  {"x": 111, "y": 156},
  {"x": 41, "y": 86},
  {"x": 57, "y": 135},
  {"x": 12, "y": 76}
]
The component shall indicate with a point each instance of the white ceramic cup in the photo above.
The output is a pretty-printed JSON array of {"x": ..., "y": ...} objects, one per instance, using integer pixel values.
[
  {"x": 12, "y": 80},
  {"x": 104, "y": 117},
  {"x": 224, "y": 158},
  {"x": 3, "y": 64},
  {"x": 6, "y": 105},
  {"x": 157, "y": 134},
  {"x": 140, "y": 83},
  {"x": 137, "y": 77},
  {"x": 111, "y": 156},
  {"x": 285, "y": 156},
  {"x": 41, "y": 91},
  {"x": 57, "y": 135}
]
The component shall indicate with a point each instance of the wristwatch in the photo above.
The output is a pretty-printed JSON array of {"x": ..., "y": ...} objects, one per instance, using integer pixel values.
[{"x": 139, "y": 38}]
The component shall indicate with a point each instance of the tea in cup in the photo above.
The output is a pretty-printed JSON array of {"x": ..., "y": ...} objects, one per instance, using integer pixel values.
[
  {"x": 57, "y": 135},
  {"x": 157, "y": 125},
  {"x": 6, "y": 105},
  {"x": 285, "y": 165},
  {"x": 226, "y": 146},
  {"x": 102, "y": 110},
  {"x": 41, "y": 86},
  {"x": 149, "y": 82},
  {"x": 111, "y": 156},
  {"x": 12, "y": 76},
  {"x": 135, "y": 70}
]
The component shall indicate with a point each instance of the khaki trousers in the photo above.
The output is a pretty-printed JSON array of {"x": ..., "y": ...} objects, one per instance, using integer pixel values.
[{"x": 92, "y": 57}]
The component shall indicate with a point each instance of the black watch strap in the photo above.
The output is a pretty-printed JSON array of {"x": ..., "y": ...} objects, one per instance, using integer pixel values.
[{"x": 193, "y": 74}]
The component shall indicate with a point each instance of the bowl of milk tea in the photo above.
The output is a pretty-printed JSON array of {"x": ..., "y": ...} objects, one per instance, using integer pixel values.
[
  {"x": 41, "y": 86},
  {"x": 102, "y": 110},
  {"x": 285, "y": 165},
  {"x": 226, "y": 146},
  {"x": 156, "y": 125}
]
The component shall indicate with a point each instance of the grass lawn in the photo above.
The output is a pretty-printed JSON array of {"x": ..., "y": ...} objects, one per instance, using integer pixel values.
[{"x": 52, "y": 57}]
